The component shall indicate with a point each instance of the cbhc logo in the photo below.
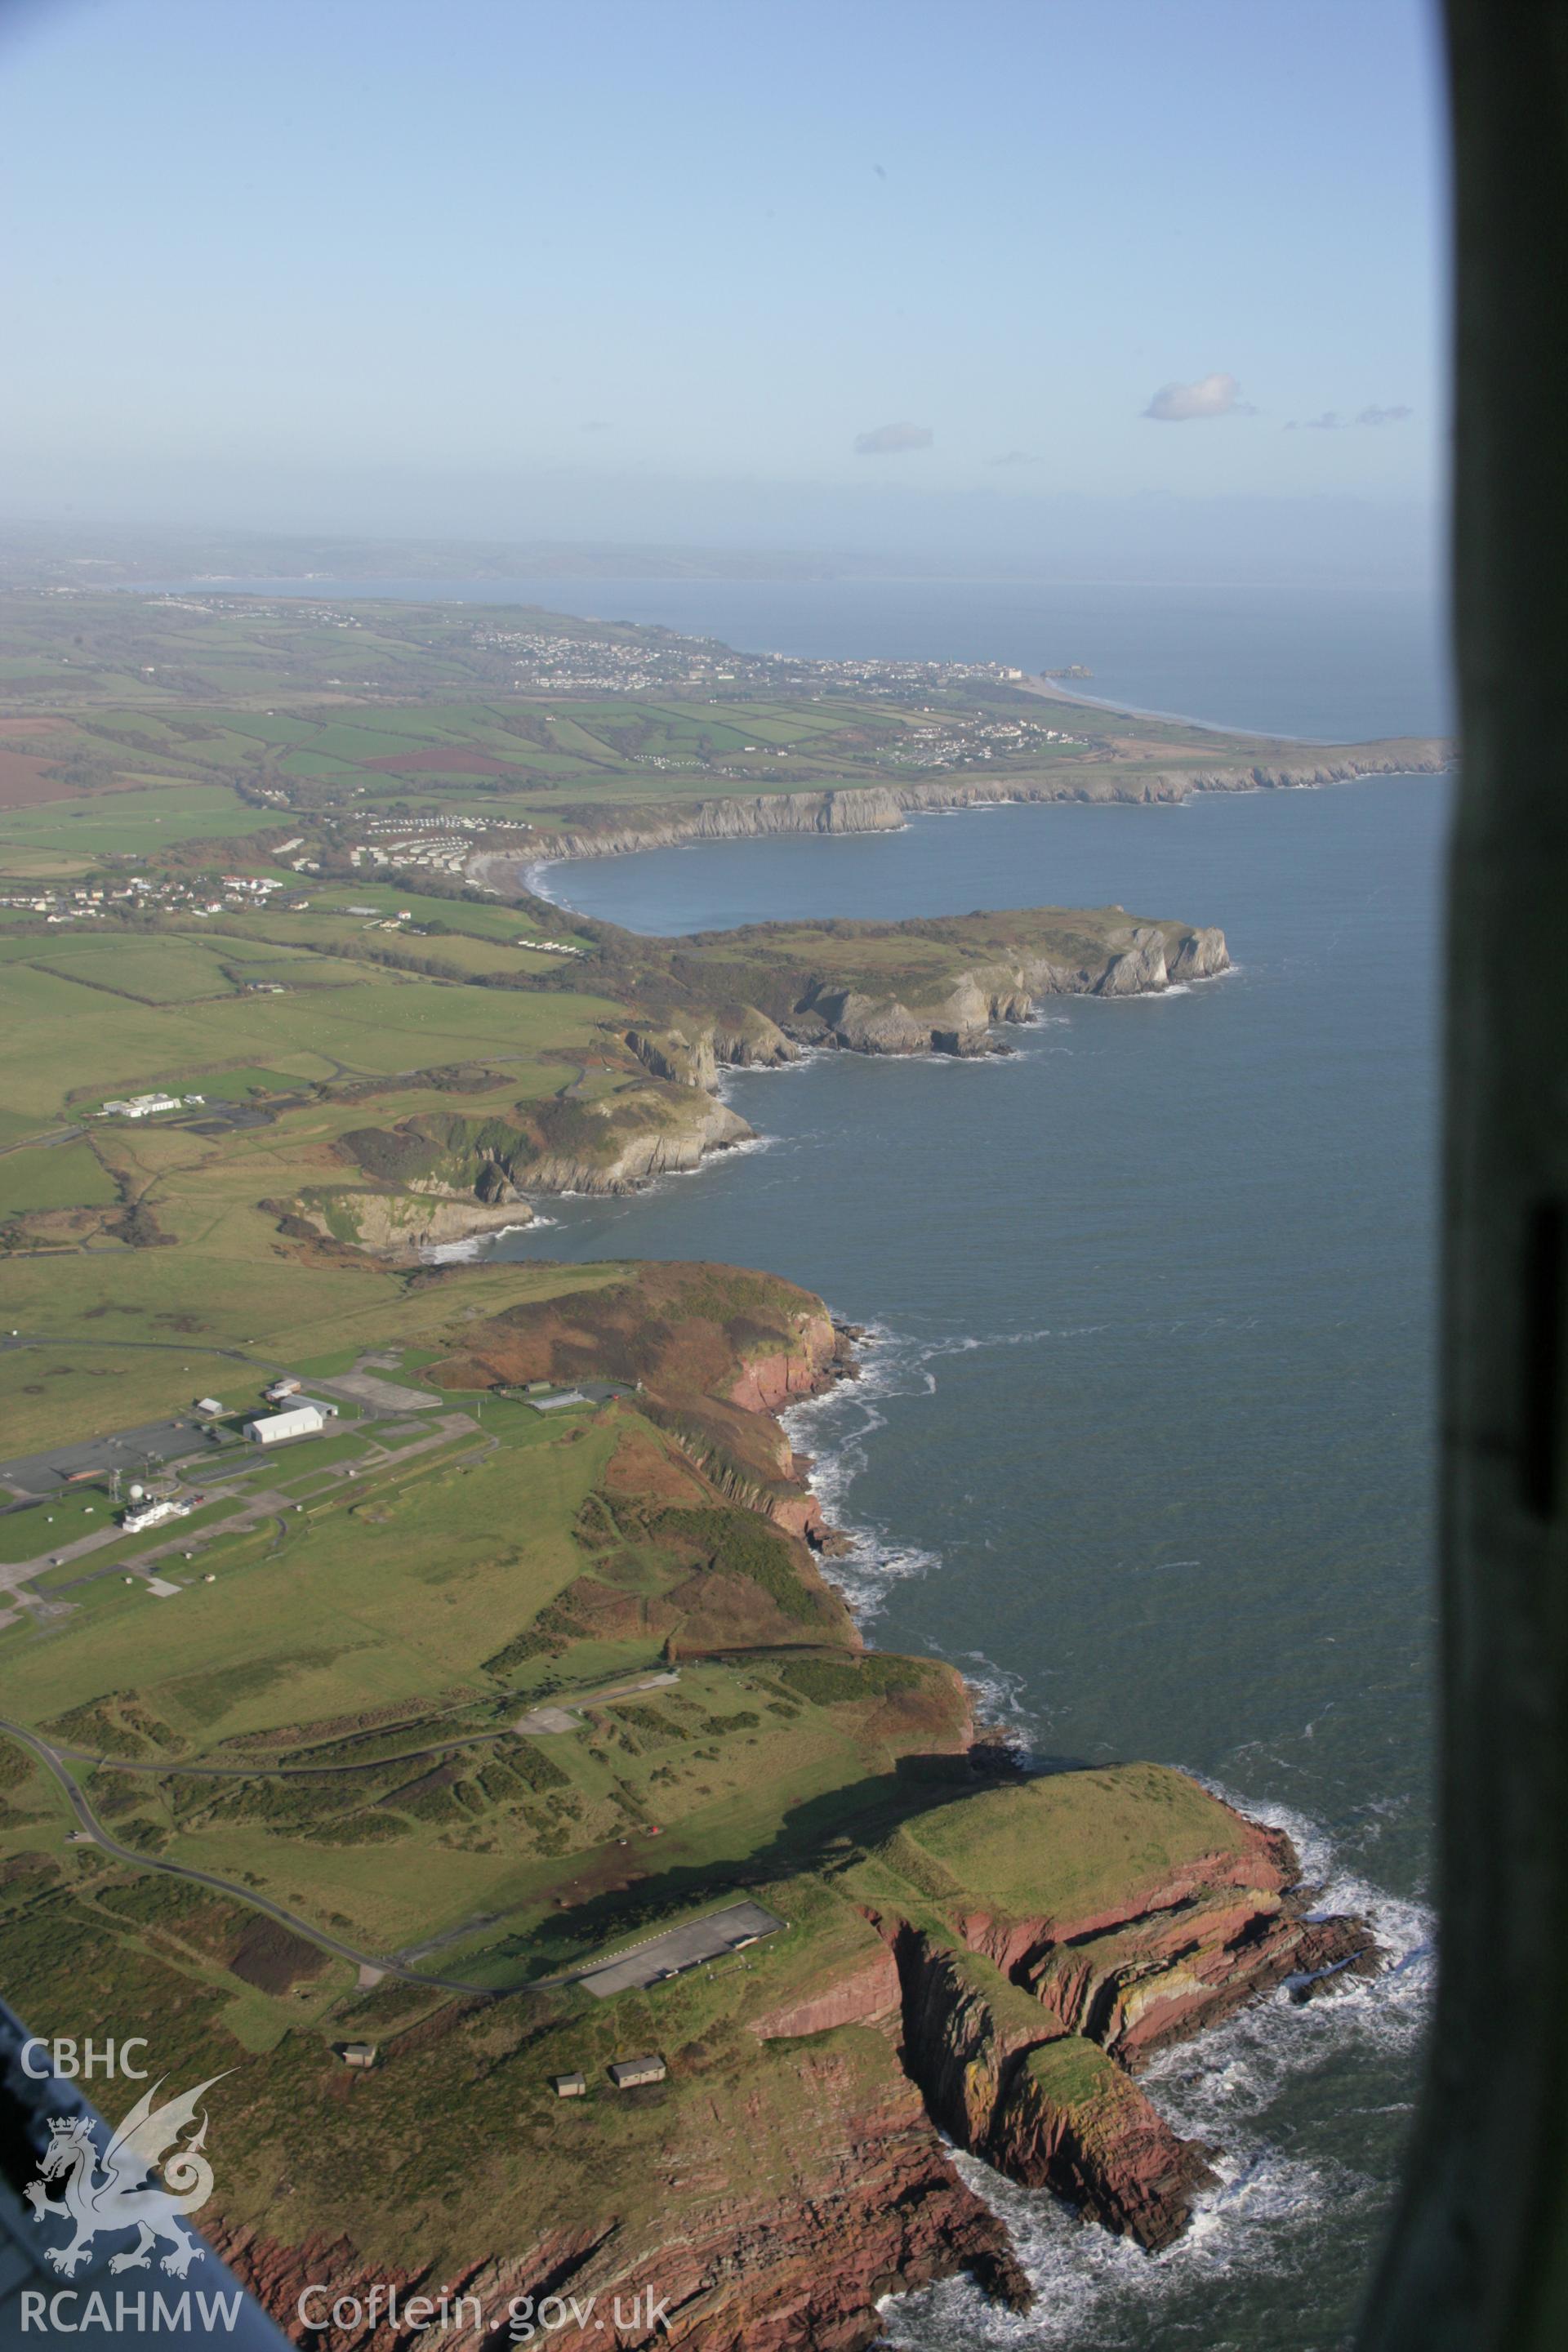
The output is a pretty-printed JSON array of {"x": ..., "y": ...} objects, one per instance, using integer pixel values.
[{"x": 71, "y": 2060}]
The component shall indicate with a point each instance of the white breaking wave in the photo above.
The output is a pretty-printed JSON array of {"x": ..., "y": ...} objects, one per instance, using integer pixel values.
[
  {"x": 836, "y": 1429},
  {"x": 1271, "y": 2202},
  {"x": 1268, "y": 2213},
  {"x": 474, "y": 1245}
]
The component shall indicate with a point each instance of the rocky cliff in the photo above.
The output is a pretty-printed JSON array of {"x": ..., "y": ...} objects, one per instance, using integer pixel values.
[
  {"x": 760, "y": 995},
  {"x": 444, "y": 1177},
  {"x": 883, "y": 808},
  {"x": 957, "y": 1954},
  {"x": 791, "y": 2173},
  {"x": 856, "y": 2199},
  {"x": 715, "y": 1353},
  {"x": 1023, "y": 2027},
  {"x": 755, "y": 997},
  {"x": 402, "y": 1225}
]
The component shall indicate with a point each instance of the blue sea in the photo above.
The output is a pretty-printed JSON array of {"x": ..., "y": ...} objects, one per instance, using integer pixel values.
[{"x": 1144, "y": 1441}]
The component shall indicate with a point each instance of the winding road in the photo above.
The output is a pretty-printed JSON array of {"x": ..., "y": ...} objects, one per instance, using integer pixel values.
[{"x": 53, "y": 1760}]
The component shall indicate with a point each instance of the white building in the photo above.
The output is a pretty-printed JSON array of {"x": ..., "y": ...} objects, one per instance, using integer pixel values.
[
  {"x": 270, "y": 1428},
  {"x": 287, "y": 1386},
  {"x": 141, "y": 1107},
  {"x": 152, "y": 1515}
]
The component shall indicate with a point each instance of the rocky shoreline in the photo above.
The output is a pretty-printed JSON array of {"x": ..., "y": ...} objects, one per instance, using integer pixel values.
[
  {"x": 886, "y": 808},
  {"x": 993, "y": 1972},
  {"x": 755, "y": 998}
]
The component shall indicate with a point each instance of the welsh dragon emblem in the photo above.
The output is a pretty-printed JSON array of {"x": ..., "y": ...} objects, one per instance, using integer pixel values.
[{"x": 123, "y": 2193}]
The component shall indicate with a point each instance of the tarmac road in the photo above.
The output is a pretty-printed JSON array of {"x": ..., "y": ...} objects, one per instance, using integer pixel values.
[{"x": 51, "y": 1757}]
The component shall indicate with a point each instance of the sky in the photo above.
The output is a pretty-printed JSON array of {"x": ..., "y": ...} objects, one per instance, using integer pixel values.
[{"x": 1163, "y": 277}]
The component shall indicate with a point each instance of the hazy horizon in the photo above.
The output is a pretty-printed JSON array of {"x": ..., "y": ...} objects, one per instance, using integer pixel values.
[{"x": 883, "y": 283}]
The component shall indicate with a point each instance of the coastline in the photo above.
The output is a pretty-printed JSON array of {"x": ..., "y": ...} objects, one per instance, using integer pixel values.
[
  {"x": 1213, "y": 2091},
  {"x": 1266, "y": 2046},
  {"x": 886, "y": 808},
  {"x": 1240, "y": 2212}
]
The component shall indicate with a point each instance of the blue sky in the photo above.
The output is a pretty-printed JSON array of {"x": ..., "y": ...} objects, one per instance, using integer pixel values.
[{"x": 665, "y": 264}]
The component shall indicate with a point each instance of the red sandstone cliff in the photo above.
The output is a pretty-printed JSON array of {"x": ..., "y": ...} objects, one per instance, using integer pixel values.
[
  {"x": 874, "y": 2206},
  {"x": 1020, "y": 2032}
]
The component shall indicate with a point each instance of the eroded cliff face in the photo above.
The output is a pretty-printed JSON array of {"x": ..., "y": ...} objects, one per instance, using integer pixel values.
[
  {"x": 471, "y": 1174},
  {"x": 402, "y": 1226},
  {"x": 692, "y": 1053},
  {"x": 641, "y": 1137},
  {"x": 788, "y": 2189},
  {"x": 1024, "y": 2036},
  {"x": 884, "y": 808},
  {"x": 1069, "y": 2120},
  {"x": 935, "y": 1010},
  {"x": 855, "y": 809},
  {"x": 717, "y": 1351},
  {"x": 860, "y": 2200}
]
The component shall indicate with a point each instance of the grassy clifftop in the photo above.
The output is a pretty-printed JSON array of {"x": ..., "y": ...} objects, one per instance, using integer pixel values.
[{"x": 478, "y": 1695}]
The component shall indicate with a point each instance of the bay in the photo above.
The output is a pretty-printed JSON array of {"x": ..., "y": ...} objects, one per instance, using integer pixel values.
[{"x": 1144, "y": 1440}]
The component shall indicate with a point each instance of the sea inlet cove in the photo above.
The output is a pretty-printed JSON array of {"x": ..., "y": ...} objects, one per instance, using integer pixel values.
[{"x": 712, "y": 1574}]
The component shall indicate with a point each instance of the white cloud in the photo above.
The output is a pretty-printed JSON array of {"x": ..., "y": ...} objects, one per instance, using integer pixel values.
[
  {"x": 1014, "y": 458},
  {"x": 892, "y": 440},
  {"x": 1383, "y": 416},
  {"x": 1211, "y": 396}
]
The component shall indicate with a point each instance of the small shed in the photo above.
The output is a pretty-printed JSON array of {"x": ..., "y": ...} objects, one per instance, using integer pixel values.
[
  {"x": 287, "y": 1386},
  {"x": 359, "y": 2053},
  {"x": 570, "y": 2087},
  {"x": 211, "y": 1406},
  {"x": 628, "y": 2072}
]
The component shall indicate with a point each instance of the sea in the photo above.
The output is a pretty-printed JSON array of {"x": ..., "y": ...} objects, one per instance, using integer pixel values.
[{"x": 1144, "y": 1439}]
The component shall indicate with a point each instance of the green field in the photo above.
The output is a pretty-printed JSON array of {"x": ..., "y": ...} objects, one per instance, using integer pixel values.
[
  {"x": 63, "y": 1045},
  {"x": 410, "y": 1599},
  {"x": 155, "y": 971},
  {"x": 398, "y": 1710},
  {"x": 383, "y": 1600},
  {"x": 136, "y": 823},
  {"x": 66, "y": 1176}
]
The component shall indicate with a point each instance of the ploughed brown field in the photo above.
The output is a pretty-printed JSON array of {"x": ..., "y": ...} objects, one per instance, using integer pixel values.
[
  {"x": 440, "y": 758},
  {"x": 24, "y": 778}
]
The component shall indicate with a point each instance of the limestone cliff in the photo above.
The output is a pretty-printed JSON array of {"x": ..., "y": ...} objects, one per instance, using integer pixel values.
[
  {"x": 404, "y": 1225},
  {"x": 761, "y": 994},
  {"x": 621, "y": 1140},
  {"x": 443, "y": 1176},
  {"x": 883, "y": 808}
]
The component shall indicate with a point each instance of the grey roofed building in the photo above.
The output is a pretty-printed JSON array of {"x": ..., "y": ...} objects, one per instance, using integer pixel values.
[
  {"x": 570, "y": 2087},
  {"x": 628, "y": 2072}
]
